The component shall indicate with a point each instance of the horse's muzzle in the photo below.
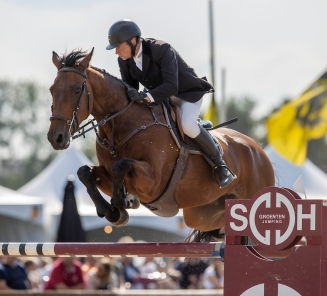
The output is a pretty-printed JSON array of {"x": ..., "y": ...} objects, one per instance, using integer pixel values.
[{"x": 59, "y": 141}]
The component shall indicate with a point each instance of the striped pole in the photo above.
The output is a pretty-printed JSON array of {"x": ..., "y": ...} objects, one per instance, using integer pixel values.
[{"x": 201, "y": 250}]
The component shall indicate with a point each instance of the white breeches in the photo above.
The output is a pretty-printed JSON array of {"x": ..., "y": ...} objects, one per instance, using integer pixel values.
[{"x": 189, "y": 115}]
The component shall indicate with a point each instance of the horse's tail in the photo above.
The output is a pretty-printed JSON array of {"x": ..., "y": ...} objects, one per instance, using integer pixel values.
[{"x": 205, "y": 236}]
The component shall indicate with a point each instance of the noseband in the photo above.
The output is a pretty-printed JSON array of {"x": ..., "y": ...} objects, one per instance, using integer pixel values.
[
  {"x": 84, "y": 89},
  {"x": 81, "y": 130}
]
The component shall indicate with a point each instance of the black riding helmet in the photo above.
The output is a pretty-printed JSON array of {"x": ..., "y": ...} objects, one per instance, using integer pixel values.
[{"x": 121, "y": 31}]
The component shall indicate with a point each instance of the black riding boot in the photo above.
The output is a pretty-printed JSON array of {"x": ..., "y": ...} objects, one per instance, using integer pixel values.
[{"x": 210, "y": 149}]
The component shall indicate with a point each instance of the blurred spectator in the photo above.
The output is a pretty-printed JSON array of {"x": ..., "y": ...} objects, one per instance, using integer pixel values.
[
  {"x": 213, "y": 277},
  {"x": 89, "y": 268},
  {"x": 31, "y": 266},
  {"x": 44, "y": 270},
  {"x": 130, "y": 272},
  {"x": 118, "y": 268},
  {"x": 176, "y": 263},
  {"x": 13, "y": 275},
  {"x": 192, "y": 273},
  {"x": 171, "y": 281},
  {"x": 104, "y": 278},
  {"x": 149, "y": 266},
  {"x": 127, "y": 272},
  {"x": 66, "y": 274}
]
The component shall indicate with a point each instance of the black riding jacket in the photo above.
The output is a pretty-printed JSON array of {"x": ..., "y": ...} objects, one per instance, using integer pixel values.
[{"x": 164, "y": 73}]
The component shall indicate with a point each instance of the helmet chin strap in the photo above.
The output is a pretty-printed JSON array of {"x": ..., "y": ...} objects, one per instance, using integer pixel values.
[{"x": 133, "y": 47}]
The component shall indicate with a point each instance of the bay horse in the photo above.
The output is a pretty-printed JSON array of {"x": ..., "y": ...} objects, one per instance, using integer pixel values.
[{"x": 137, "y": 154}]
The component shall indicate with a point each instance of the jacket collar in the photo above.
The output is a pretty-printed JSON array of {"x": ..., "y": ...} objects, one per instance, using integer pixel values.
[{"x": 146, "y": 57}]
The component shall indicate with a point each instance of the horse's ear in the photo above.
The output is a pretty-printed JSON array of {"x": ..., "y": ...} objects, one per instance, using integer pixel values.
[
  {"x": 86, "y": 61},
  {"x": 56, "y": 60}
]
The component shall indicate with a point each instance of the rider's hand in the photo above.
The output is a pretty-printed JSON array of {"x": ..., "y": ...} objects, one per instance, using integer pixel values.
[{"x": 139, "y": 97}]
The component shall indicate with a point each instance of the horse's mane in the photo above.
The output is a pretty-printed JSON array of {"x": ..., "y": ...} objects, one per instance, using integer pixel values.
[
  {"x": 104, "y": 72},
  {"x": 73, "y": 58}
]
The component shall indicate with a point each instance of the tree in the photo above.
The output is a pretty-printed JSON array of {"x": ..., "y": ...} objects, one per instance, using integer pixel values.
[
  {"x": 24, "y": 122},
  {"x": 24, "y": 108},
  {"x": 243, "y": 108}
]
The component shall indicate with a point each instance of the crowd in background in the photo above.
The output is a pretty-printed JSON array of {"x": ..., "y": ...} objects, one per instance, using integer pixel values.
[{"x": 106, "y": 273}]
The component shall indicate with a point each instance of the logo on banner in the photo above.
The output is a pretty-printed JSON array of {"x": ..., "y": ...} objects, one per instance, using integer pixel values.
[{"x": 274, "y": 218}]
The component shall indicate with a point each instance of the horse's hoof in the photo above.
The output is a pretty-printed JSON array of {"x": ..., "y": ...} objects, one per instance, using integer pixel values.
[
  {"x": 134, "y": 202},
  {"x": 123, "y": 219},
  {"x": 99, "y": 214}
]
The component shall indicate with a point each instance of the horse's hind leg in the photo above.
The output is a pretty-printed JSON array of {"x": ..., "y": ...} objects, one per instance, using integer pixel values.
[
  {"x": 103, "y": 208},
  {"x": 207, "y": 220}
]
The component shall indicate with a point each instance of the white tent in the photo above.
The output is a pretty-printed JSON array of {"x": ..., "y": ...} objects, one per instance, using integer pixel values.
[
  {"x": 50, "y": 184},
  {"x": 21, "y": 216},
  {"x": 314, "y": 179}
]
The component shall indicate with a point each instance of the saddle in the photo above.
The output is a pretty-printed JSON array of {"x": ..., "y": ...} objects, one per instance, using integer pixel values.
[
  {"x": 186, "y": 147},
  {"x": 173, "y": 117}
]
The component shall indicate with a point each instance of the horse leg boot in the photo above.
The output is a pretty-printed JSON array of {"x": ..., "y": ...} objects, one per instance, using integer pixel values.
[{"x": 208, "y": 146}]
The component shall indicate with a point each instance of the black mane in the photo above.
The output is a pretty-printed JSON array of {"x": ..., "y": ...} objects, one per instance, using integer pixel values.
[{"x": 73, "y": 58}]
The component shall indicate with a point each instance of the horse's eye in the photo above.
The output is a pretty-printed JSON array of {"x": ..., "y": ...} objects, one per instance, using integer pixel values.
[{"x": 78, "y": 90}]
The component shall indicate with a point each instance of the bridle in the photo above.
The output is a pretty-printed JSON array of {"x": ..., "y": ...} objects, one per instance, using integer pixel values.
[
  {"x": 106, "y": 144},
  {"x": 70, "y": 122}
]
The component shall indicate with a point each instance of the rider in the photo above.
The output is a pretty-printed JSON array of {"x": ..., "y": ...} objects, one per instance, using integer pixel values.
[{"x": 163, "y": 72}]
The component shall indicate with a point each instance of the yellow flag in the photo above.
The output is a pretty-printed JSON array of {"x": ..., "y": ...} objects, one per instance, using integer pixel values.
[
  {"x": 305, "y": 118},
  {"x": 212, "y": 112}
]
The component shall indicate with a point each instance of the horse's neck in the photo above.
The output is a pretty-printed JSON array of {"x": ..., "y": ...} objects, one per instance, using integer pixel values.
[{"x": 109, "y": 95}]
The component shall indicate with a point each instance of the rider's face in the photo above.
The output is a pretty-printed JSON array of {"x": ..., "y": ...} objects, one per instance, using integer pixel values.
[{"x": 124, "y": 51}]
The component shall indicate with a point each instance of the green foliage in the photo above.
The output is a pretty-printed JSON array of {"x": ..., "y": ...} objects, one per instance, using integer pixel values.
[
  {"x": 24, "y": 123},
  {"x": 243, "y": 108},
  {"x": 24, "y": 108}
]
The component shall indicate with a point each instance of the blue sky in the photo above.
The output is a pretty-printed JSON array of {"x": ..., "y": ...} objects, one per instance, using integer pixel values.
[{"x": 270, "y": 49}]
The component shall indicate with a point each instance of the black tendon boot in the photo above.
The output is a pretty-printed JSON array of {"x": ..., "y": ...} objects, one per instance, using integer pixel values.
[{"x": 208, "y": 146}]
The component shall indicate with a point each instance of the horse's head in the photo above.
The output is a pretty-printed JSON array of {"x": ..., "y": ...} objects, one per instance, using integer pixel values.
[{"x": 70, "y": 97}]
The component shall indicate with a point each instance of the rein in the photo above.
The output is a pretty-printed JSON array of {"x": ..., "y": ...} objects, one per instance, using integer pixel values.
[
  {"x": 106, "y": 144},
  {"x": 94, "y": 126}
]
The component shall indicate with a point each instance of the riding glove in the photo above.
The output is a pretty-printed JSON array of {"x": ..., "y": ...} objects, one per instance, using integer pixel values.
[{"x": 136, "y": 96}]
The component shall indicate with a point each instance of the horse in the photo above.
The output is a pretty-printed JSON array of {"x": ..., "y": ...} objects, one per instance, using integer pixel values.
[{"x": 137, "y": 154}]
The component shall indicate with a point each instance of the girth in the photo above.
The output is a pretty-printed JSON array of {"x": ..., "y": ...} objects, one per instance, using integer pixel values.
[{"x": 165, "y": 205}]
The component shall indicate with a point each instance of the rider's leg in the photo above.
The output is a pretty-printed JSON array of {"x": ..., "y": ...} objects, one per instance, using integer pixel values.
[
  {"x": 209, "y": 147},
  {"x": 189, "y": 116}
]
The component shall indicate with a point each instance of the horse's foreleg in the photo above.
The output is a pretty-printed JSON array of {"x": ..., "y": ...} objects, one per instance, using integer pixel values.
[
  {"x": 88, "y": 176},
  {"x": 119, "y": 170},
  {"x": 140, "y": 179}
]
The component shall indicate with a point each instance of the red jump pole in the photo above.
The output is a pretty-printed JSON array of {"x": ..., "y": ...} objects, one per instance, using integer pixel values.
[{"x": 201, "y": 250}]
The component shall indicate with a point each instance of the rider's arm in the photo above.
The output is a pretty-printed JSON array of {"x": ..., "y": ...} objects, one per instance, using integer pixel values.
[
  {"x": 165, "y": 56},
  {"x": 125, "y": 75}
]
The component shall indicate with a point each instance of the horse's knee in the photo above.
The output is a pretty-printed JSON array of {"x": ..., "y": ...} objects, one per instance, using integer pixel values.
[
  {"x": 85, "y": 174},
  {"x": 121, "y": 167}
]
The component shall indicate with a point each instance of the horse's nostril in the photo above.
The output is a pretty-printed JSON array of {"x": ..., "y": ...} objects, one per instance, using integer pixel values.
[{"x": 59, "y": 139}]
